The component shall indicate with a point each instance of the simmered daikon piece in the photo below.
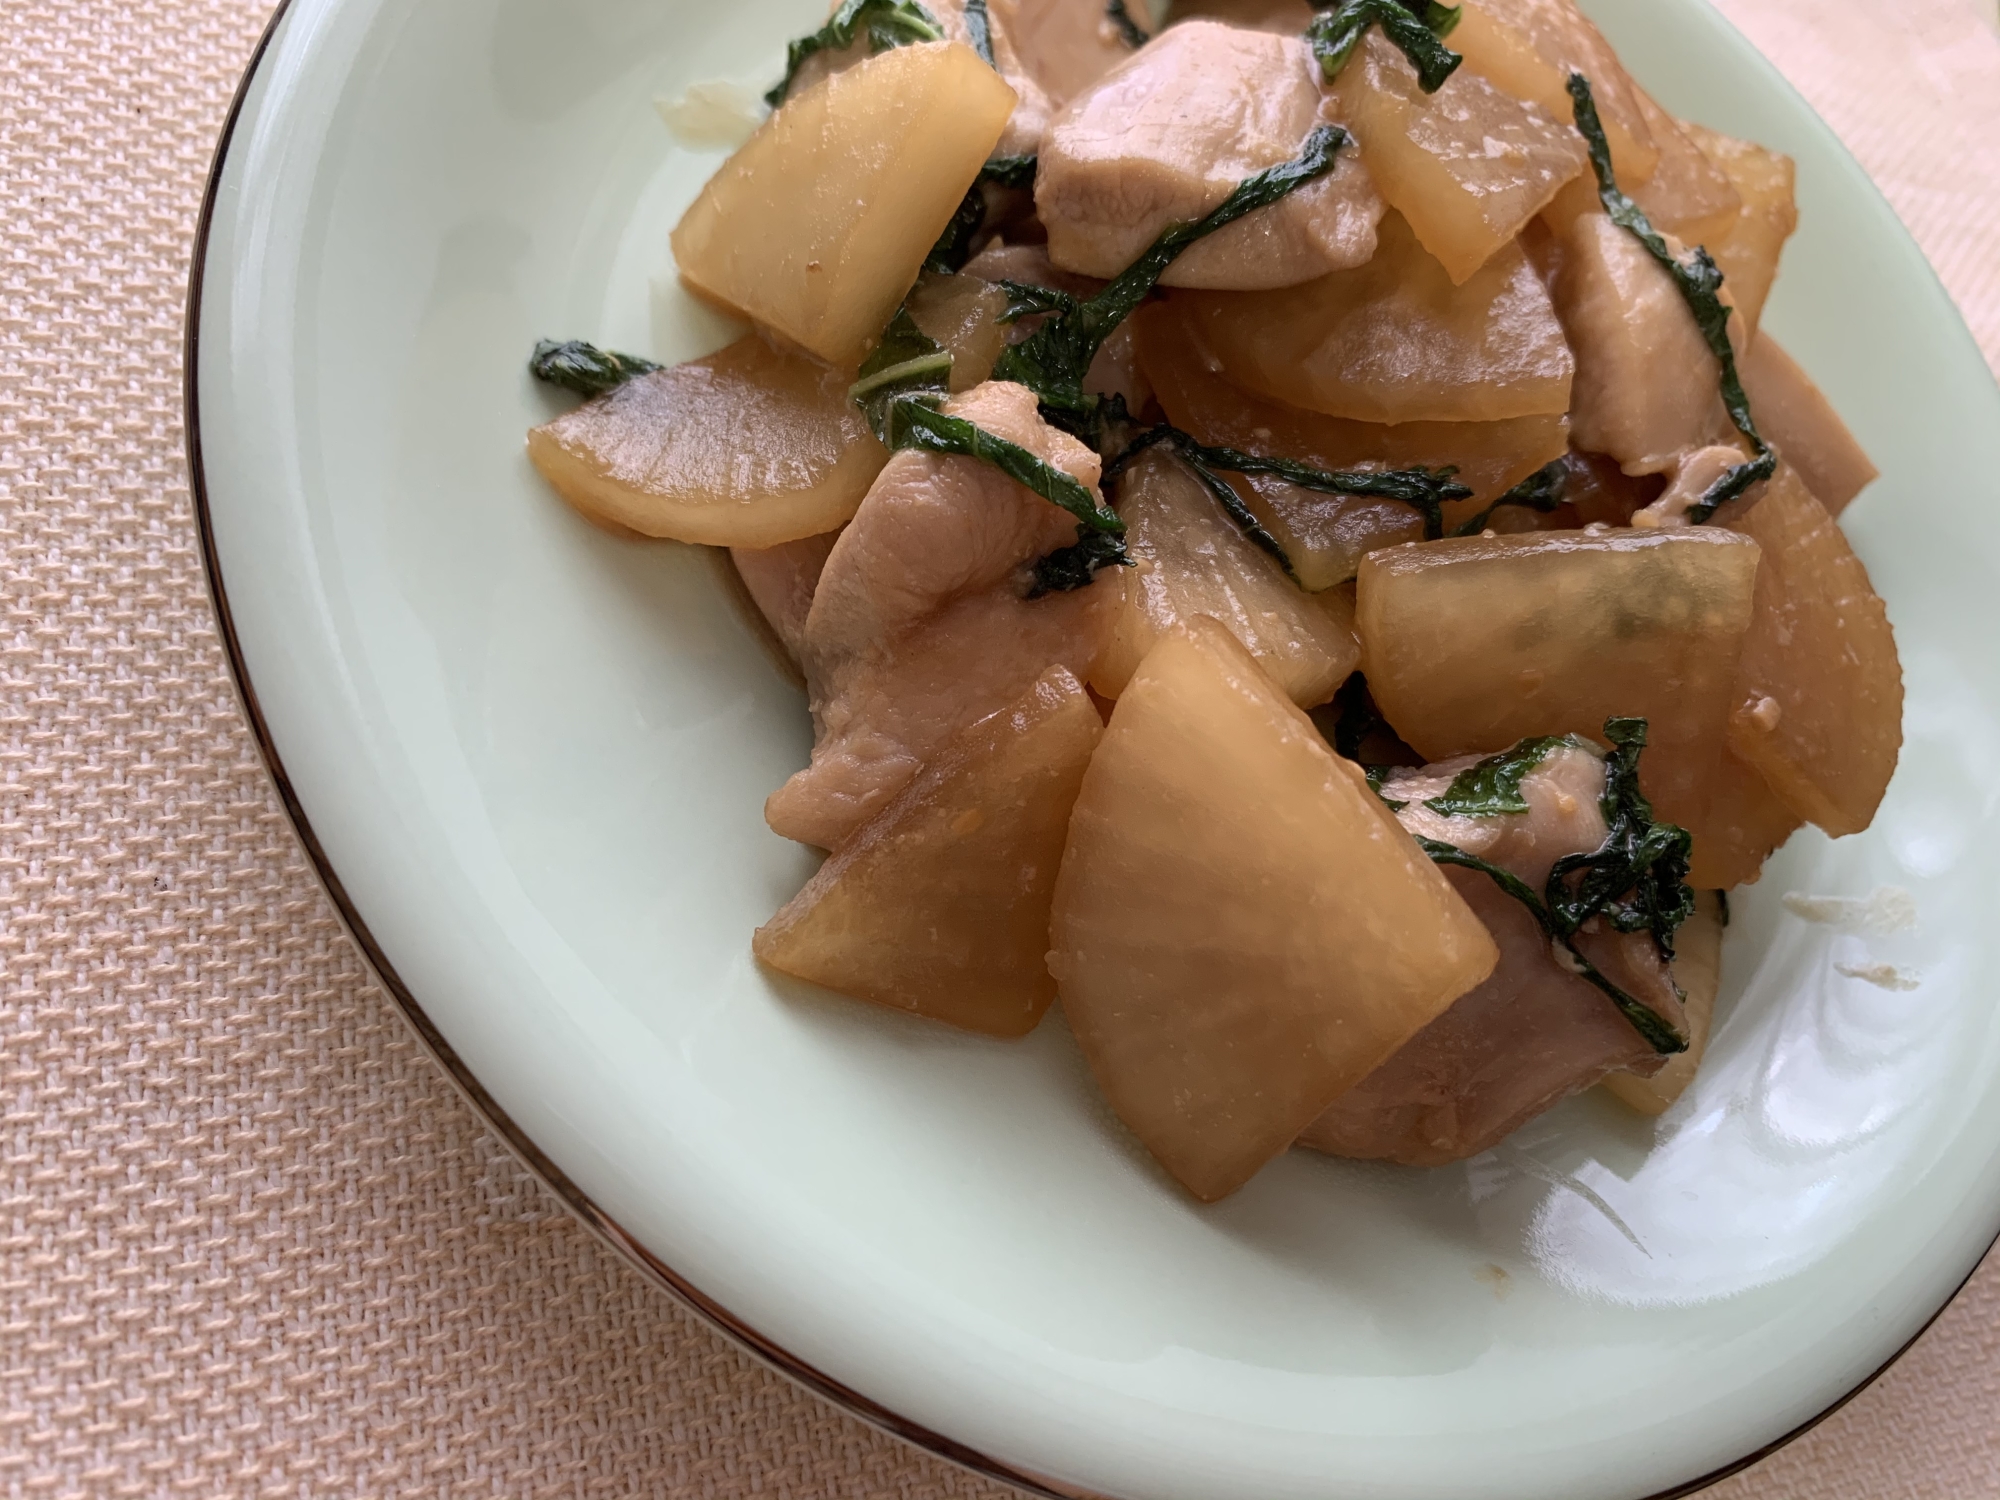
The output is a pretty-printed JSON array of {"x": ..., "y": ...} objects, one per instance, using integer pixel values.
[
  {"x": 939, "y": 905},
  {"x": 748, "y": 447},
  {"x": 962, "y": 313},
  {"x": 1535, "y": 1031},
  {"x": 819, "y": 224},
  {"x": 1241, "y": 930},
  {"x": 1688, "y": 196},
  {"x": 1698, "y": 971},
  {"x": 921, "y": 623},
  {"x": 1466, "y": 166},
  {"x": 1797, "y": 419},
  {"x": 1395, "y": 340},
  {"x": 1530, "y": 47},
  {"x": 1167, "y": 135},
  {"x": 1647, "y": 389},
  {"x": 1115, "y": 369},
  {"x": 1474, "y": 642},
  {"x": 1748, "y": 253},
  {"x": 1742, "y": 823},
  {"x": 1326, "y": 535},
  {"x": 780, "y": 581},
  {"x": 1033, "y": 108},
  {"x": 1819, "y": 691},
  {"x": 1191, "y": 559},
  {"x": 1066, "y": 45}
]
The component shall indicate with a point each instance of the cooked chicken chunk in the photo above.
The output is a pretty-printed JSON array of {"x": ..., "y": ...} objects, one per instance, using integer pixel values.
[
  {"x": 1646, "y": 386},
  {"x": 780, "y": 582},
  {"x": 1535, "y": 1032},
  {"x": 1166, "y": 136},
  {"x": 1066, "y": 45},
  {"x": 920, "y": 624}
]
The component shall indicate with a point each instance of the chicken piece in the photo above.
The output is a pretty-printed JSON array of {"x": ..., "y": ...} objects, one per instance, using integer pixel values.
[
  {"x": 1167, "y": 135},
  {"x": 939, "y": 905},
  {"x": 1819, "y": 686},
  {"x": 1115, "y": 370},
  {"x": 1603, "y": 494},
  {"x": 1530, "y": 47},
  {"x": 1697, "y": 970},
  {"x": 1285, "y": 17},
  {"x": 1693, "y": 475},
  {"x": 920, "y": 624},
  {"x": 1395, "y": 340},
  {"x": 1467, "y": 166},
  {"x": 1066, "y": 45},
  {"x": 1535, "y": 1031},
  {"x": 1647, "y": 389},
  {"x": 1328, "y": 535},
  {"x": 781, "y": 581},
  {"x": 1748, "y": 253},
  {"x": 1688, "y": 196},
  {"x": 1190, "y": 559},
  {"x": 1797, "y": 419}
]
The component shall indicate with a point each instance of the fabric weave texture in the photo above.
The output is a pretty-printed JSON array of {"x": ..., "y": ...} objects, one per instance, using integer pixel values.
[{"x": 251, "y": 1241}]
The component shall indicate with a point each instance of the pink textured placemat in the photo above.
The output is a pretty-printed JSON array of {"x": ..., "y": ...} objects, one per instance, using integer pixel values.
[{"x": 251, "y": 1243}]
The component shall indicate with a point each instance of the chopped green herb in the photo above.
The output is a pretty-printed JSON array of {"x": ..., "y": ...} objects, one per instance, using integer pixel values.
[
  {"x": 1415, "y": 30},
  {"x": 1010, "y": 171},
  {"x": 886, "y": 24},
  {"x": 1699, "y": 280},
  {"x": 907, "y": 361},
  {"x": 1541, "y": 490},
  {"x": 1024, "y": 301},
  {"x": 1074, "y": 567},
  {"x": 954, "y": 247},
  {"x": 1636, "y": 879},
  {"x": 1053, "y": 361},
  {"x": 1192, "y": 454},
  {"x": 1129, "y": 31},
  {"x": 1359, "y": 718},
  {"x": 584, "y": 368},
  {"x": 1722, "y": 903},
  {"x": 1493, "y": 787},
  {"x": 979, "y": 26}
]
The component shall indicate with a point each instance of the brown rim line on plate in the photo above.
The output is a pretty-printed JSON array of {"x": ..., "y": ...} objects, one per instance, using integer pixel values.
[{"x": 765, "y": 1350}]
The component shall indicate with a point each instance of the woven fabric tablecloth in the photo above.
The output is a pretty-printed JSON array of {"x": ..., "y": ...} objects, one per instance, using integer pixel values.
[{"x": 251, "y": 1243}]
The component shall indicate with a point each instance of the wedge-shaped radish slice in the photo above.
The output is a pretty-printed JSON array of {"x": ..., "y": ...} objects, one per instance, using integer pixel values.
[
  {"x": 1242, "y": 931},
  {"x": 1482, "y": 641},
  {"x": 749, "y": 447},
  {"x": 940, "y": 904},
  {"x": 1327, "y": 535},
  {"x": 820, "y": 223},
  {"x": 1467, "y": 166},
  {"x": 1743, "y": 822},
  {"x": 1697, "y": 970},
  {"x": 1798, "y": 420},
  {"x": 1688, "y": 196},
  {"x": 1819, "y": 691},
  {"x": 1395, "y": 340},
  {"x": 1748, "y": 253},
  {"x": 1191, "y": 559}
]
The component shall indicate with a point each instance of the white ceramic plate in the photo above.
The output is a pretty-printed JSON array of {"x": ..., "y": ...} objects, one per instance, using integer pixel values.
[{"x": 531, "y": 759}]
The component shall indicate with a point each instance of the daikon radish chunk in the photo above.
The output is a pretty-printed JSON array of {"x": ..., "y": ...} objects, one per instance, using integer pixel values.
[
  {"x": 1241, "y": 929},
  {"x": 1818, "y": 701},
  {"x": 1191, "y": 559},
  {"x": 1475, "y": 642},
  {"x": 1798, "y": 420},
  {"x": 1742, "y": 823},
  {"x": 962, "y": 313},
  {"x": 1327, "y": 535},
  {"x": 1395, "y": 340},
  {"x": 1530, "y": 47},
  {"x": 1688, "y": 196},
  {"x": 1647, "y": 388},
  {"x": 1748, "y": 253},
  {"x": 748, "y": 447},
  {"x": 1467, "y": 166},
  {"x": 818, "y": 226},
  {"x": 1697, "y": 970},
  {"x": 939, "y": 905}
]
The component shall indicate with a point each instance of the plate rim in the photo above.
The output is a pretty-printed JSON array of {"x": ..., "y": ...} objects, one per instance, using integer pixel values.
[{"x": 607, "y": 1230}]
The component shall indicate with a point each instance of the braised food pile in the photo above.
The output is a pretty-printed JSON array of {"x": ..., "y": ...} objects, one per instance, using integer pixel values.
[{"x": 1296, "y": 545}]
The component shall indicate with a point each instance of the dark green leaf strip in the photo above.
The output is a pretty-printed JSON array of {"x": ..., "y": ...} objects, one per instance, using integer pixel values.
[
  {"x": 922, "y": 370},
  {"x": 1010, "y": 171},
  {"x": 914, "y": 423},
  {"x": 1074, "y": 567},
  {"x": 1414, "y": 30},
  {"x": 1024, "y": 301},
  {"x": 886, "y": 23},
  {"x": 1541, "y": 490},
  {"x": 954, "y": 247},
  {"x": 584, "y": 368},
  {"x": 1699, "y": 280},
  {"x": 1493, "y": 787},
  {"x": 979, "y": 26},
  {"x": 1053, "y": 361},
  {"x": 1219, "y": 488},
  {"x": 1129, "y": 31}
]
